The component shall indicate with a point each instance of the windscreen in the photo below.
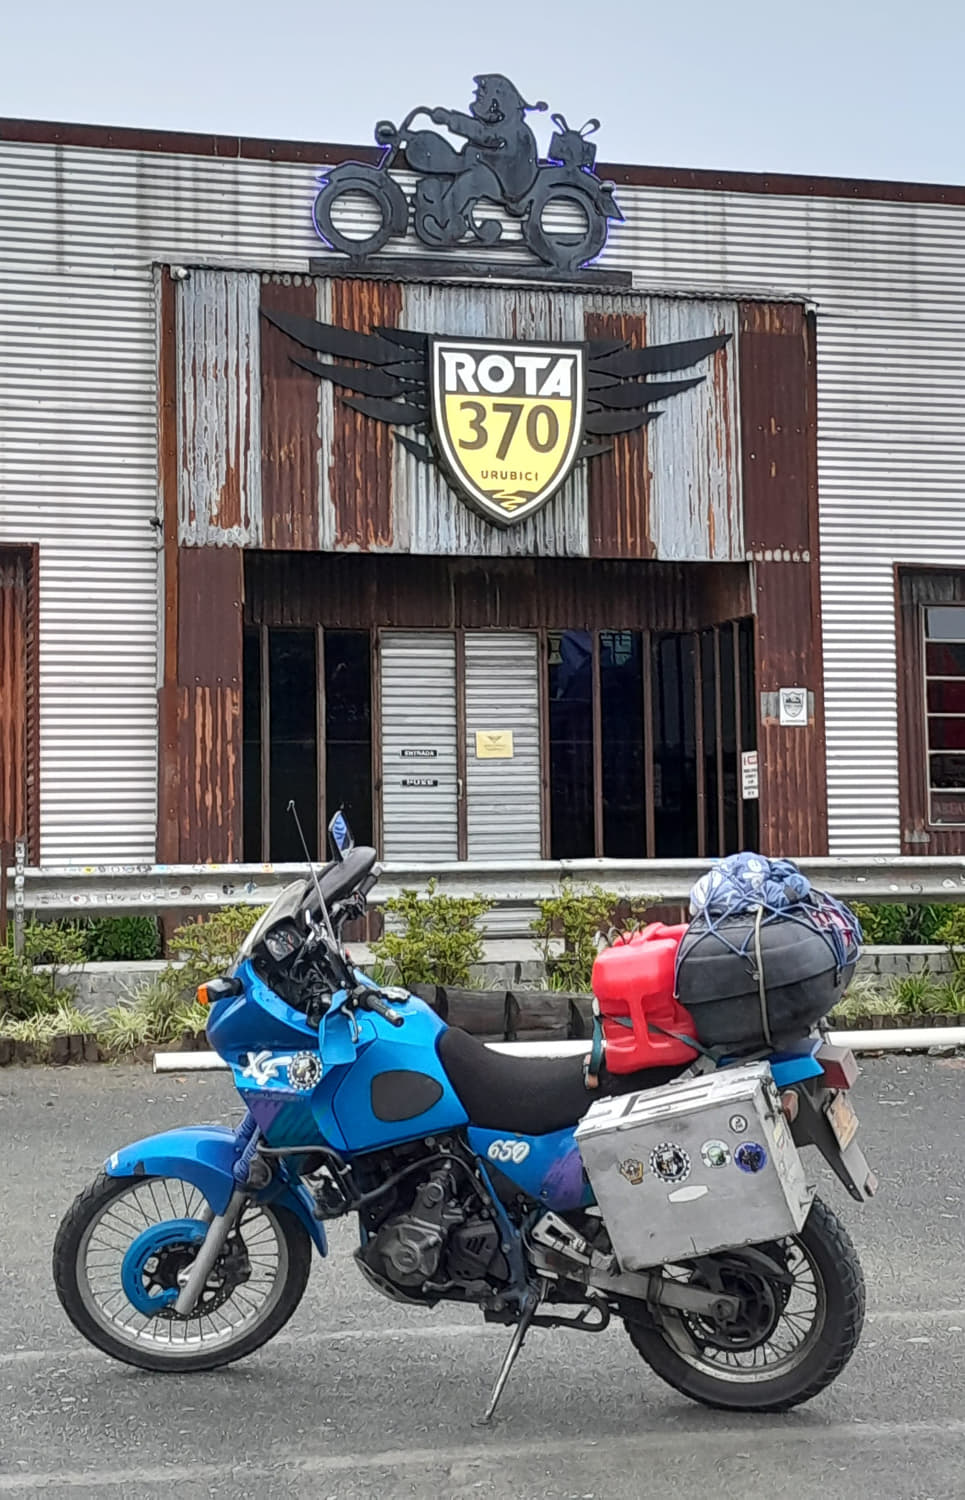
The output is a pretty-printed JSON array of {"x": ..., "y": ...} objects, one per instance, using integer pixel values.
[{"x": 285, "y": 904}]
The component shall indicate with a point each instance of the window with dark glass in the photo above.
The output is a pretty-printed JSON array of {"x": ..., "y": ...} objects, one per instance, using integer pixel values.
[
  {"x": 646, "y": 735},
  {"x": 945, "y": 712},
  {"x": 307, "y": 738}
]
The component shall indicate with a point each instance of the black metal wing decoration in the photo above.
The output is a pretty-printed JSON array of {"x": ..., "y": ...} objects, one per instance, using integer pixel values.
[
  {"x": 620, "y": 398},
  {"x": 395, "y": 386}
]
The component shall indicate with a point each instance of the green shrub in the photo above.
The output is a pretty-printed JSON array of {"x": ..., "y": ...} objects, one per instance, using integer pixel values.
[
  {"x": 131, "y": 939},
  {"x": 208, "y": 946},
  {"x": 900, "y": 926},
  {"x": 913, "y": 994},
  {"x": 60, "y": 944},
  {"x": 951, "y": 928},
  {"x": 864, "y": 997},
  {"x": 440, "y": 938},
  {"x": 575, "y": 917},
  {"x": 26, "y": 991}
]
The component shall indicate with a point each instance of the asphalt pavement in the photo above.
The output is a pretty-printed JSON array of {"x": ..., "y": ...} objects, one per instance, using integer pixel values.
[{"x": 359, "y": 1398}]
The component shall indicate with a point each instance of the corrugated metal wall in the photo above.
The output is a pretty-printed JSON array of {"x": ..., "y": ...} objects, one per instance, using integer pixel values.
[
  {"x": 419, "y": 746},
  {"x": 889, "y": 283},
  {"x": 345, "y": 482},
  {"x": 78, "y": 408},
  {"x": 503, "y": 796}
]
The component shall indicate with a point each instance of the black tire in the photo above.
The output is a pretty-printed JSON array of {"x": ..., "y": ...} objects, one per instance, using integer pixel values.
[
  {"x": 564, "y": 252},
  {"x": 833, "y": 1258},
  {"x": 327, "y": 230},
  {"x": 69, "y": 1246}
]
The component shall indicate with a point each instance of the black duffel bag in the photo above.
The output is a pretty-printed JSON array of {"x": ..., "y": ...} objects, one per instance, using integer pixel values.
[{"x": 757, "y": 982}]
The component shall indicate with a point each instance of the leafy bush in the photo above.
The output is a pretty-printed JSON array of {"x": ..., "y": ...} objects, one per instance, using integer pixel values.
[
  {"x": 899, "y": 926},
  {"x": 439, "y": 940},
  {"x": 155, "y": 1014},
  {"x": 951, "y": 928},
  {"x": 163, "y": 1009},
  {"x": 864, "y": 997},
  {"x": 25, "y": 990},
  {"x": 576, "y": 917},
  {"x": 912, "y": 994},
  {"x": 60, "y": 944},
  {"x": 131, "y": 939},
  {"x": 207, "y": 947}
]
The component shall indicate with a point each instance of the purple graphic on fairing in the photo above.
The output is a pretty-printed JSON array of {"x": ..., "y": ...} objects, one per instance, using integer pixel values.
[{"x": 564, "y": 1185}]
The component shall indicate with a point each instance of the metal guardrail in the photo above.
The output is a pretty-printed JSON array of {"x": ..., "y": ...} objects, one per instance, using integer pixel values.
[{"x": 84, "y": 889}]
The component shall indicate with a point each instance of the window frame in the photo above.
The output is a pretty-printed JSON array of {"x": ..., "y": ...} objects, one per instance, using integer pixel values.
[{"x": 924, "y": 640}]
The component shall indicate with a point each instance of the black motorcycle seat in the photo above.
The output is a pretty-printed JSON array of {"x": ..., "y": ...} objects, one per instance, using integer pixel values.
[{"x": 528, "y": 1095}]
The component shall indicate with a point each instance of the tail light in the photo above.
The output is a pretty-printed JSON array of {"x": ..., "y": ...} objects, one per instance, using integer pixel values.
[
  {"x": 839, "y": 1065},
  {"x": 790, "y": 1104}
]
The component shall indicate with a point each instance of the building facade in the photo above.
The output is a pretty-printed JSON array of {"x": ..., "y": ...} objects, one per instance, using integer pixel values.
[{"x": 245, "y": 556}]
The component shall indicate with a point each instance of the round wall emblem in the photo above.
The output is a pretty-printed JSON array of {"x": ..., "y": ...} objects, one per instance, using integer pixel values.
[{"x": 715, "y": 1154}]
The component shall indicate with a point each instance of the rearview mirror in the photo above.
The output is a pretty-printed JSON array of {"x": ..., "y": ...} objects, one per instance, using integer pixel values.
[{"x": 340, "y": 838}]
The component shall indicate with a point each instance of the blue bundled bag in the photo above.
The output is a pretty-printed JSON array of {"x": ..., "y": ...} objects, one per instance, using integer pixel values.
[{"x": 766, "y": 955}]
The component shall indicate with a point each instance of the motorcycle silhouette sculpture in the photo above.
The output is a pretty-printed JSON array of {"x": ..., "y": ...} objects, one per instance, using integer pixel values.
[{"x": 563, "y": 208}]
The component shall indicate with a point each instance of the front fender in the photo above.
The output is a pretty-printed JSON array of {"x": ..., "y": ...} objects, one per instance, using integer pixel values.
[{"x": 204, "y": 1155}]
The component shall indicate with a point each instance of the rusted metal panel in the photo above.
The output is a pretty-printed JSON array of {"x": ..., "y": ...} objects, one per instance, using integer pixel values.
[
  {"x": 410, "y": 593},
  {"x": 619, "y": 482},
  {"x": 781, "y": 526},
  {"x": 780, "y": 517},
  {"x": 361, "y": 462},
  {"x": 208, "y": 696},
  {"x": 209, "y": 745},
  {"x": 168, "y": 762},
  {"x": 774, "y": 396},
  {"x": 290, "y": 435},
  {"x": 219, "y": 409},
  {"x": 686, "y": 504},
  {"x": 210, "y": 609},
  {"x": 431, "y": 518}
]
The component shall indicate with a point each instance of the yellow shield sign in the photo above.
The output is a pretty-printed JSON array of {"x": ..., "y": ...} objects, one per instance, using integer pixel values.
[{"x": 508, "y": 420}]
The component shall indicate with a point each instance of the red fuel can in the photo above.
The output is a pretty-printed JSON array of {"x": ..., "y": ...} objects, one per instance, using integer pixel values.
[{"x": 633, "y": 982}]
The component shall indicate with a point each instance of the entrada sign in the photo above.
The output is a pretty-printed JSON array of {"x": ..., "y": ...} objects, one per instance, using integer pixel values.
[
  {"x": 499, "y": 165},
  {"x": 506, "y": 421}
]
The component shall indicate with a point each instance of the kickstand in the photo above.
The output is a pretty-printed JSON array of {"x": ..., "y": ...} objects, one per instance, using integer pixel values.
[{"x": 516, "y": 1343}]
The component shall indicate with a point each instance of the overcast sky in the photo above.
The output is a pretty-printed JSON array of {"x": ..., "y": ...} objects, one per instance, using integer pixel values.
[{"x": 844, "y": 87}]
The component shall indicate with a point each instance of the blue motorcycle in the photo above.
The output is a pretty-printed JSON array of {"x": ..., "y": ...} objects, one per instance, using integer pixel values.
[{"x": 193, "y": 1247}]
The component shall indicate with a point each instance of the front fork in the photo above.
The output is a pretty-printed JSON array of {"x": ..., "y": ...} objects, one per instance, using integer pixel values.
[{"x": 193, "y": 1278}]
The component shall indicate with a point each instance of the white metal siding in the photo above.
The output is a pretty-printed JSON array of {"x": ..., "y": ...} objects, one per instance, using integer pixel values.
[
  {"x": 503, "y": 796},
  {"x": 889, "y": 283},
  {"x": 81, "y": 228},
  {"x": 419, "y": 795}
]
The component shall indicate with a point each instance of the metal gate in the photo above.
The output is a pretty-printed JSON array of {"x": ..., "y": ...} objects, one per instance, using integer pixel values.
[{"x": 460, "y": 745}]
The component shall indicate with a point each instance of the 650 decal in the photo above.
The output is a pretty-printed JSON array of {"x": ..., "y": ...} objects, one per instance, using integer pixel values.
[{"x": 514, "y": 1151}]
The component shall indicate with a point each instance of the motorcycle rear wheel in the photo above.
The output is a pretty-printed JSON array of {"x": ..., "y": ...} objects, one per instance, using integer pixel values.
[
  {"x": 737, "y": 1374},
  {"x": 97, "y": 1233}
]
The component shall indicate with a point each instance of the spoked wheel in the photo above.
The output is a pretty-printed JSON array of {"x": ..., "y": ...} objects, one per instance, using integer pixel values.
[
  {"x": 801, "y": 1314},
  {"x": 118, "y": 1254}
]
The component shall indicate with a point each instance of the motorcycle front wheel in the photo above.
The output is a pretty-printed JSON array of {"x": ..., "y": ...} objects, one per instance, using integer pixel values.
[
  {"x": 117, "y": 1256},
  {"x": 799, "y": 1324}
]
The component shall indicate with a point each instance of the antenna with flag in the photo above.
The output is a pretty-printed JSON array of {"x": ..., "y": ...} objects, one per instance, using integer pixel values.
[{"x": 318, "y": 889}]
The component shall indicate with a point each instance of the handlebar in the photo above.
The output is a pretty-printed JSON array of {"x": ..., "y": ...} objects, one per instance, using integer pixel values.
[{"x": 372, "y": 1000}]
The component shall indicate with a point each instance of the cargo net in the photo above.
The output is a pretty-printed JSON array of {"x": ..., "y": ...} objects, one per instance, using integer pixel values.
[{"x": 766, "y": 891}]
